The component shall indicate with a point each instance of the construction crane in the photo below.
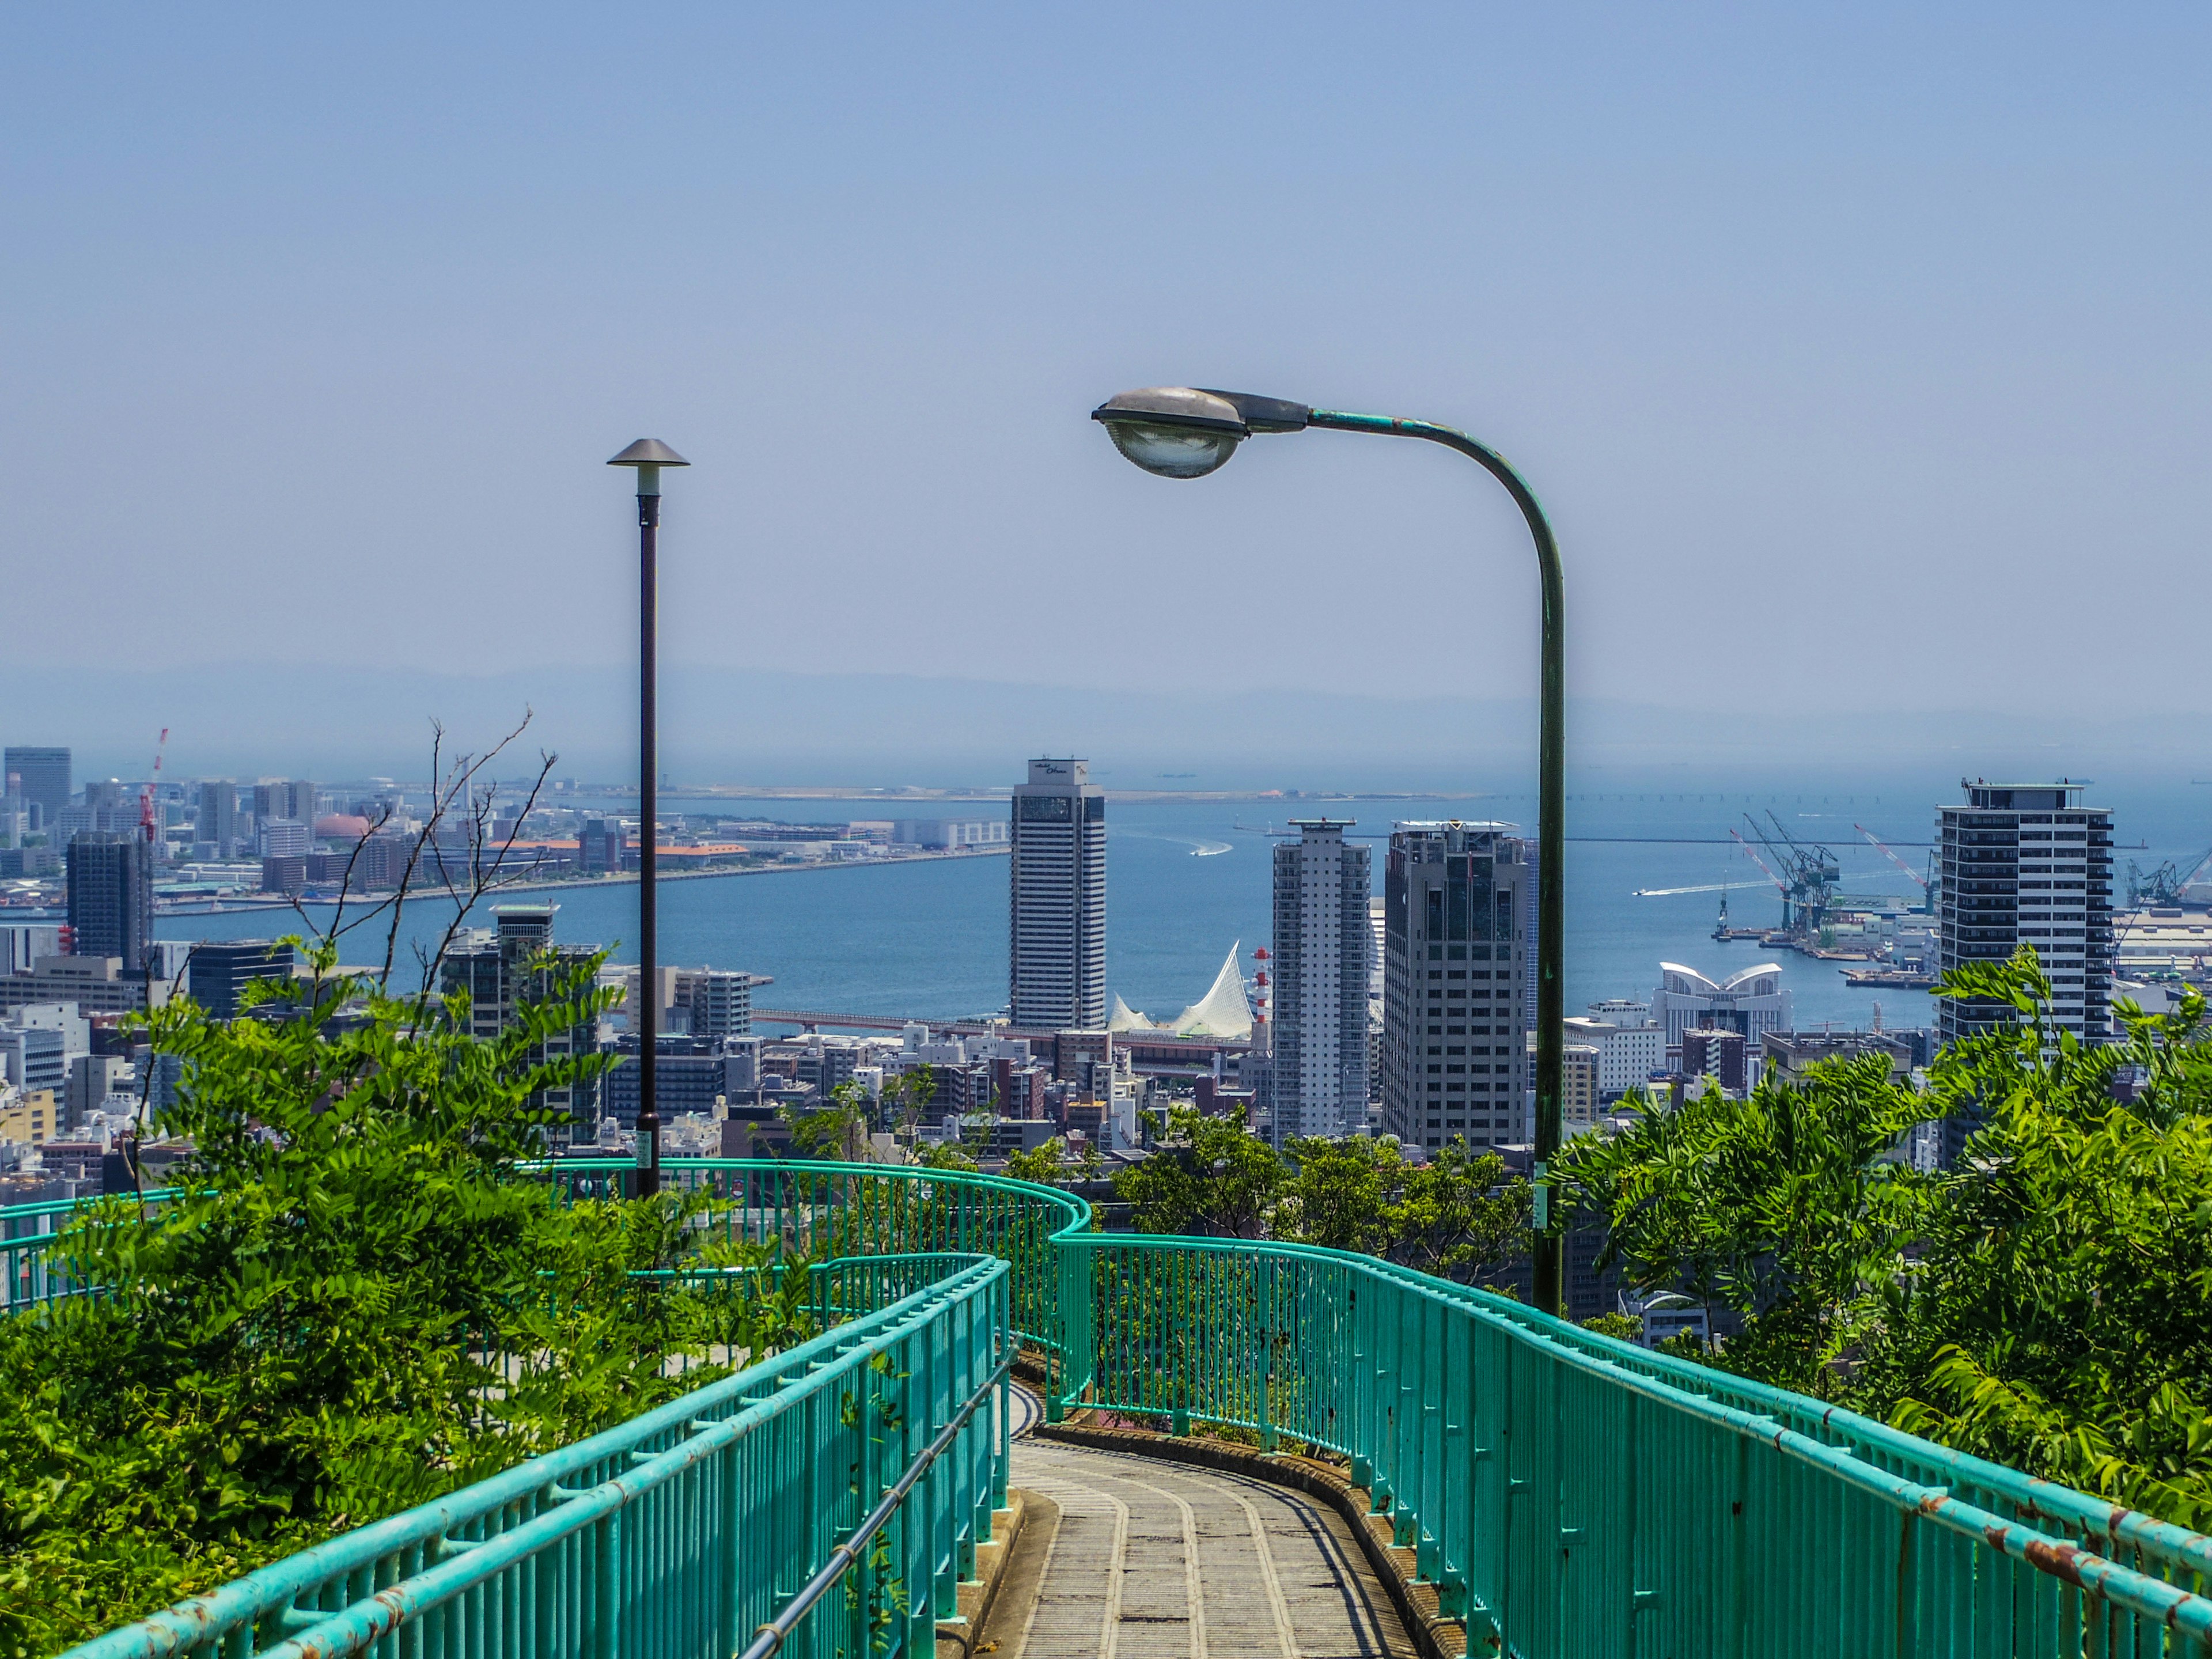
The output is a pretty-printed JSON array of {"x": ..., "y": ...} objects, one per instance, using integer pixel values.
[
  {"x": 1809, "y": 874},
  {"x": 2163, "y": 886},
  {"x": 1876, "y": 841},
  {"x": 148, "y": 819}
]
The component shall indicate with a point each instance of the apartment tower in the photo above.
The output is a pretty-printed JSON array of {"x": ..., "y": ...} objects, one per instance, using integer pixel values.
[
  {"x": 1057, "y": 920},
  {"x": 111, "y": 895},
  {"x": 1457, "y": 944},
  {"x": 1321, "y": 944},
  {"x": 2028, "y": 864}
]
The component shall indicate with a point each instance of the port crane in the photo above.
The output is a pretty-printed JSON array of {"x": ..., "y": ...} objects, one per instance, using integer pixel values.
[
  {"x": 2163, "y": 886},
  {"x": 1809, "y": 877},
  {"x": 1876, "y": 841}
]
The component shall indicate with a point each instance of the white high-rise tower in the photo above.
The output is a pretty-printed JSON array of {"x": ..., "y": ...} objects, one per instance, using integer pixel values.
[
  {"x": 1322, "y": 937},
  {"x": 1057, "y": 917}
]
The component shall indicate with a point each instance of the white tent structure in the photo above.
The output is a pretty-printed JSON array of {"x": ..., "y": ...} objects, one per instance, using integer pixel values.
[{"x": 1223, "y": 1012}]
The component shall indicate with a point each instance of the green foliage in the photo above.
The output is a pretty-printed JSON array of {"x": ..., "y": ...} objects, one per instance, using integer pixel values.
[
  {"x": 1781, "y": 1205},
  {"x": 2043, "y": 1303},
  {"x": 1622, "y": 1328},
  {"x": 838, "y": 1133},
  {"x": 1455, "y": 1216},
  {"x": 1207, "y": 1177},
  {"x": 348, "y": 1303}
]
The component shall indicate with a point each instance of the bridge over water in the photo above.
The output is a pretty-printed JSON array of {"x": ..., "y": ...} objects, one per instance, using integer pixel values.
[{"x": 1550, "y": 1492}]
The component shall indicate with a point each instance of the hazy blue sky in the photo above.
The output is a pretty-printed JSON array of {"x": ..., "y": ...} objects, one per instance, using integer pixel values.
[{"x": 1860, "y": 352}]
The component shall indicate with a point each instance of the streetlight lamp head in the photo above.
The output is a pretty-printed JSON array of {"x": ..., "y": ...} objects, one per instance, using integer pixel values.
[
  {"x": 1186, "y": 432},
  {"x": 648, "y": 456},
  {"x": 1174, "y": 431}
]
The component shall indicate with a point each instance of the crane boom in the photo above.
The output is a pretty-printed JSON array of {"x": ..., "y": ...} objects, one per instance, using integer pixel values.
[
  {"x": 1909, "y": 872},
  {"x": 147, "y": 826}
]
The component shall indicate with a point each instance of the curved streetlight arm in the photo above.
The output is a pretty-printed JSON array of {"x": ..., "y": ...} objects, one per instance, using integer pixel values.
[{"x": 1550, "y": 814}]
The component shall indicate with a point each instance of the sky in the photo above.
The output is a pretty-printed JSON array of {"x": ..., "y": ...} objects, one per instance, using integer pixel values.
[{"x": 1859, "y": 353}]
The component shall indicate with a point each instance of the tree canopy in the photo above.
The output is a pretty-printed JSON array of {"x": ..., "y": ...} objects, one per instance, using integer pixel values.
[{"x": 2046, "y": 1302}]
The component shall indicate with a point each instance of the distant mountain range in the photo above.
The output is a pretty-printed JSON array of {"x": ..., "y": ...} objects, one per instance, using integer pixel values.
[{"x": 723, "y": 724}]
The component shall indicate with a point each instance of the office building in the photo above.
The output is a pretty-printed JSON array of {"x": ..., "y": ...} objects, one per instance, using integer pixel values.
[
  {"x": 35, "y": 1057},
  {"x": 220, "y": 969},
  {"x": 1627, "y": 1055},
  {"x": 1057, "y": 922},
  {"x": 110, "y": 896},
  {"x": 293, "y": 800},
  {"x": 92, "y": 1079},
  {"x": 285, "y": 838},
  {"x": 1750, "y": 1002},
  {"x": 1456, "y": 934},
  {"x": 22, "y": 944},
  {"x": 948, "y": 835},
  {"x": 217, "y": 823},
  {"x": 1716, "y": 1054},
  {"x": 515, "y": 963},
  {"x": 602, "y": 847},
  {"x": 689, "y": 1073},
  {"x": 2028, "y": 864},
  {"x": 97, "y": 985},
  {"x": 1322, "y": 935},
  {"x": 1578, "y": 1088},
  {"x": 716, "y": 1002},
  {"x": 41, "y": 776}
]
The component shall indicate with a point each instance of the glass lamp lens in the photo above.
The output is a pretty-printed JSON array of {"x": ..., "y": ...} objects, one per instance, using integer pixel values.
[{"x": 1173, "y": 452}]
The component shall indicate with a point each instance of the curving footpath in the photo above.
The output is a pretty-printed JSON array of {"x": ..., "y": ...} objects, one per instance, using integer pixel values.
[{"x": 1153, "y": 1560}]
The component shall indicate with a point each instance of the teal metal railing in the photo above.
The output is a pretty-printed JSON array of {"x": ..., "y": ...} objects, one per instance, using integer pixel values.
[
  {"x": 1569, "y": 1494},
  {"x": 1566, "y": 1493}
]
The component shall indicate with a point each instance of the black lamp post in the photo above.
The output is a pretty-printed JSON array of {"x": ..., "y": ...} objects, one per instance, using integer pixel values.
[
  {"x": 648, "y": 456},
  {"x": 1185, "y": 432}
]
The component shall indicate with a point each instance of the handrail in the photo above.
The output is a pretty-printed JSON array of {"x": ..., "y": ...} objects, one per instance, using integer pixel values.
[
  {"x": 1510, "y": 1448},
  {"x": 339, "y": 1596},
  {"x": 1564, "y": 1490},
  {"x": 773, "y": 1635}
]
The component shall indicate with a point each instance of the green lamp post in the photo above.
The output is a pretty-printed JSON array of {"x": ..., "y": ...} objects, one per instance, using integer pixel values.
[{"x": 1185, "y": 432}]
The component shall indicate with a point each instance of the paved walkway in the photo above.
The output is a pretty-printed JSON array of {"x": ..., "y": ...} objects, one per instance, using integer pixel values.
[{"x": 1150, "y": 1559}]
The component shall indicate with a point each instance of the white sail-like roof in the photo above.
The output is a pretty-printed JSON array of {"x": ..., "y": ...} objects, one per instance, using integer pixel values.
[
  {"x": 1223, "y": 1012},
  {"x": 1126, "y": 1019}
]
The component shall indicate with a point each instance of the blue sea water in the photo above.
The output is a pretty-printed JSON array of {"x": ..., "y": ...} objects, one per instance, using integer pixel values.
[{"x": 1188, "y": 880}]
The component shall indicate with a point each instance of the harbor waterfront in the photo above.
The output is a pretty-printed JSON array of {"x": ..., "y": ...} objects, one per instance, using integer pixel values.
[{"x": 1186, "y": 880}]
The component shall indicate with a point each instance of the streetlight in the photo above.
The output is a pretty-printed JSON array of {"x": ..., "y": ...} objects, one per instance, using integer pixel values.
[
  {"x": 1186, "y": 432},
  {"x": 648, "y": 456}
]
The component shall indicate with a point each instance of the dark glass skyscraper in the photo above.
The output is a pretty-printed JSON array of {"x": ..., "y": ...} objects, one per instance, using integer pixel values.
[
  {"x": 44, "y": 779},
  {"x": 111, "y": 895}
]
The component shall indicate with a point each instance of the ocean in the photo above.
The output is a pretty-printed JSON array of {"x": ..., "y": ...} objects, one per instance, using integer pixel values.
[{"x": 1188, "y": 880}]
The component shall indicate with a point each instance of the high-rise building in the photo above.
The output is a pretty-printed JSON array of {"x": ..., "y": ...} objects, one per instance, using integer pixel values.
[
  {"x": 2028, "y": 864},
  {"x": 222, "y": 968},
  {"x": 1457, "y": 938},
  {"x": 285, "y": 838},
  {"x": 111, "y": 895},
  {"x": 516, "y": 964},
  {"x": 1718, "y": 1054},
  {"x": 1058, "y": 909},
  {"x": 41, "y": 776},
  {"x": 718, "y": 1002},
  {"x": 293, "y": 799},
  {"x": 601, "y": 846},
  {"x": 218, "y": 816},
  {"x": 1321, "y": 944}
]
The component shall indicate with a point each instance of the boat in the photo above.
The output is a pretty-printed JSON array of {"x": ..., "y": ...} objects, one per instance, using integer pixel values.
[{"x": 1895, "y": 979}]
